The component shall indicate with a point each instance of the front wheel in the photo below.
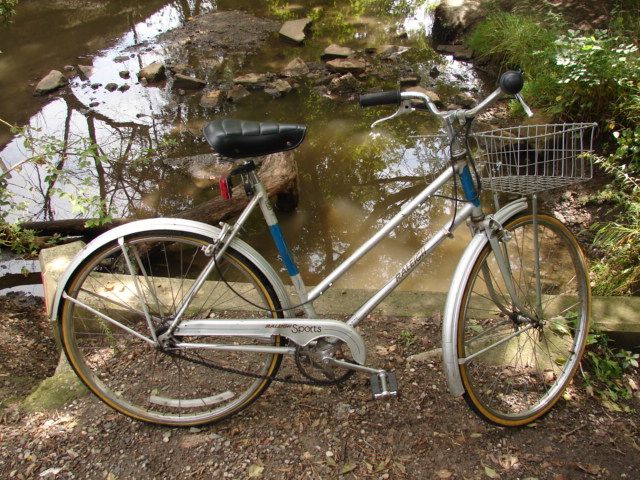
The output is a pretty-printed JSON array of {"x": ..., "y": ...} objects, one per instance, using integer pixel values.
[
  {"x": 515, "y": 366},
  {"x": 114, "y": 296}
]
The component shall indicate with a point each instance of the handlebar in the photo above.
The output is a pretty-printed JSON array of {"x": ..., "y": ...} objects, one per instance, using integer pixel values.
[{"x": 510, "y": 83}]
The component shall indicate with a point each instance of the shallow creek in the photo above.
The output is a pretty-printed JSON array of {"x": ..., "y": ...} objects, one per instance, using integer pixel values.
[{"x": 351, "y": 179}]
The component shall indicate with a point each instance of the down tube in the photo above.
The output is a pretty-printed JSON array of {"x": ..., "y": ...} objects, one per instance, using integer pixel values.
[{"x": 417, "y": 258}]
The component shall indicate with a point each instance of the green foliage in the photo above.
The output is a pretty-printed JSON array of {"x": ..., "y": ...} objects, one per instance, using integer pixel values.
[
  {"x": 514, "y": 41},
  {"x": 597, "y": 72},
  {"x": 588, "y": 76},
  {"x": 407, "y": 338},
  {"x": 7, "y": 10},
  {"x": 18, "y": 239},
  {"x": 606, "y": 366}
]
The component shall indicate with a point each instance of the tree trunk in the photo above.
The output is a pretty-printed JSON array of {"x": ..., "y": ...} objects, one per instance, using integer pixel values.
[{"x": 278, "y": 173}]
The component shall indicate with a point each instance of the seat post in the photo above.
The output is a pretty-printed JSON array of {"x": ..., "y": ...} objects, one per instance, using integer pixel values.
[{"x": 283, "y": 249}]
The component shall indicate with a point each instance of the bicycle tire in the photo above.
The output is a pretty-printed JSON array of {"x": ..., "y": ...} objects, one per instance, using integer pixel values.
[
  {"x": 515, "y": 382},
  {"x": 144, "y": 382}
]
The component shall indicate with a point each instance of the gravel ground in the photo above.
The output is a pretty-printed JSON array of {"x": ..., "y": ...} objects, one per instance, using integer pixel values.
[{"x": 297, "y": 431}]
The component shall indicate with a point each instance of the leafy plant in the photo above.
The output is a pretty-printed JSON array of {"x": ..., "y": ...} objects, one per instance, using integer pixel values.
[
  {"x": 407, "y": 338},
  {"x": 19, "y": 240},
  {"x": 606, "y": 368},
  {"x": 7, "y": 10}
]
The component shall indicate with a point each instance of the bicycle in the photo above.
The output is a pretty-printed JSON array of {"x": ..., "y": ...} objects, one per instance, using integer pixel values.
[{"x": 176, "y": 322}]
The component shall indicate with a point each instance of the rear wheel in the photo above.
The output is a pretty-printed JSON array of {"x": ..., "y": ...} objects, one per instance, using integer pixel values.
[
  {"x": 515, "y": 366},
  {"x": 114, "y": 295}
]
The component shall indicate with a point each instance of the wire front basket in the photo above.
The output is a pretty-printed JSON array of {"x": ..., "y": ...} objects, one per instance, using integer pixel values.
[{"x": 532, "y": 158}]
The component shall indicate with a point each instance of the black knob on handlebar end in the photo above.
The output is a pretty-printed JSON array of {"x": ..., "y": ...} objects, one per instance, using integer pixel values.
[{"x": 511, "y": 82}]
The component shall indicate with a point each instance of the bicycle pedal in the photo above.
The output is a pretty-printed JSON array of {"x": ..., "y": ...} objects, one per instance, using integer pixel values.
[{"x": 384, "y": 385}]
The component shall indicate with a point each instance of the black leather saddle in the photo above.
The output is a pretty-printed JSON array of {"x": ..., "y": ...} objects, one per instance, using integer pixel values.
[{"x": 241, "y": 138}]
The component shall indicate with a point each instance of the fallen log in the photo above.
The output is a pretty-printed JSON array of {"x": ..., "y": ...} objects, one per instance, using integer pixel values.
[{"x": 278, "y": 172}]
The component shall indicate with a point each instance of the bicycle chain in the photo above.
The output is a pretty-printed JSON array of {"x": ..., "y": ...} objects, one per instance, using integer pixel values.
[{"x": 271, "y": 378}]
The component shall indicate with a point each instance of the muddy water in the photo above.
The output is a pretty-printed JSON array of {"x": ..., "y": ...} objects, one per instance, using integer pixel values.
[{"x": 351, "y": 179}]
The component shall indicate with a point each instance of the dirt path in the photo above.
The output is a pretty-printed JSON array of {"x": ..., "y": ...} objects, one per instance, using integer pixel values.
[{"x": 307, "y": 432}]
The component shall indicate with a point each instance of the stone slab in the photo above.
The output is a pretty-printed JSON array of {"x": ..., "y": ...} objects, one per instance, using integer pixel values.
[
  {"x": 53, "y": 263},
  {"x": 294, "y": 30},
  {"x": 618, "y": 316}
]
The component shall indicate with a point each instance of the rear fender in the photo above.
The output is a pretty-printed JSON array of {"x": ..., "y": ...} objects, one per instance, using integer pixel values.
[{"x": 171, "y": 224}]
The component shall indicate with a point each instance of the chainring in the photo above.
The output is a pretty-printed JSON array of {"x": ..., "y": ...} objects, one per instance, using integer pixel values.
[{"x": 319, "y": 373}]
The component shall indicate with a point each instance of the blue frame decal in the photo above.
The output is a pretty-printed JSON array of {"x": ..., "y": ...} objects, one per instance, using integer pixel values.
[
  {"x": 278, "y": 239},
  {"x": 468, "y": 186}
]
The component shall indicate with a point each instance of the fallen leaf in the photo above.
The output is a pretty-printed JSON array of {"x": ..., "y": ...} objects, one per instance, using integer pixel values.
[
  {"x": 611, "y": 406},
  {"x": 444, "y": 474},
  {"x": 348, "y": 467},
  {"x": 382, "y": 351},
  {"x": 255, "y": 471},
  {"x": 508, "y": 461},
  {"x": 51, "y": 472},
  {"x": 589, "y": 468},
  {"x": 490, "y": 472}
]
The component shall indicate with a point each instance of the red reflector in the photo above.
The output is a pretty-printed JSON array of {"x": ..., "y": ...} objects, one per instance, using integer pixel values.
[{"x": 225, "y": 188}]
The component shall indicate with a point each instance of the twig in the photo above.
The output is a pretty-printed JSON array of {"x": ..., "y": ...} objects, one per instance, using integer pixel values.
[{"x": 565, "y": 435}]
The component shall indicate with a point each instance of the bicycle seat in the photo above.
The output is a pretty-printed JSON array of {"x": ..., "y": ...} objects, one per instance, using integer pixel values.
[{"x": 242, "y": 138}]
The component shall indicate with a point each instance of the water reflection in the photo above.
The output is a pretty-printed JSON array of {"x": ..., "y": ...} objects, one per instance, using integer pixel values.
[{"x": 351, "y": 180}]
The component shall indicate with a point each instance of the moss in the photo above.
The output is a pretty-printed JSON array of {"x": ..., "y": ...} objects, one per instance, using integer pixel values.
[{"x": 55, "y": 392}]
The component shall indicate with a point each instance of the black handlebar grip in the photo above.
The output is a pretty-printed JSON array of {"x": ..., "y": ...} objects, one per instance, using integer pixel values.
[
  {"x": 390, "y": 97},
  {"x": 511, "y": 82}
]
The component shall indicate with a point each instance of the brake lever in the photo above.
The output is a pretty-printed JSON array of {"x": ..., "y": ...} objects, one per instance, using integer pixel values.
[
  {"x": 405, "y": 107},
  {"x": 525, "y": 107}
]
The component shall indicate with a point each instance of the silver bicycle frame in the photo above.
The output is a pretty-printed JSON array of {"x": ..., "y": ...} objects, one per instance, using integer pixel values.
[{"x": 307, "y": 297}]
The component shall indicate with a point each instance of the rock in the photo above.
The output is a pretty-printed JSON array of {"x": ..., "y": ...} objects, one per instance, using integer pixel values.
[
  {"x": 334, "y": 51},
  {"x": 459, "y": 52},
  {"x": 454, "y": 19},
  {"x": 56, "y": 391},
  {"x": 188, "y": 83},
  {"x": 464, "y": 99},
  {"x": 211, "y": 63},
  {"x": 391, "y": 51},
  {"x": 69, "y": 68},
  {"x": 123, "y": 88},
  {"x": 344, "y": 83},
  {"x": 434, "y": 72},
  {"x": 52, "y": 81},
  {"x": 435, "y": 98},
  {"x": 278, "y": 87},
  {"x": 86, "y": 71},
  {"x": 121, "y": 58},
  {"x": 180, "y": 68},
  {"x": 294, "y": 30},
  {"x": 347, "y": 65},
  {"x": 124, "y": 74},
  {"x": 154, "y": 72},
  {"x": 252, "y": 80},
  {"x": 465, "y": 55},
  {"x": 237, "y": 92},
  {"x": 212, "y": 99},
  {"x": 94, "y": 104},
  {"x": 410, "y": 81},
  {"x": 96, "y": 86},
  {"x": 429, "y": 355},
  {"x": 112, "y": 87},
  {"x": 296, "y": 68}
]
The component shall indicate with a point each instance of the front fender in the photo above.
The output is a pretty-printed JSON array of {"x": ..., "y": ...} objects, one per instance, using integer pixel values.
[
  {"x": 171, "y": 224},
  {"x": 454, "y": 297}
]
